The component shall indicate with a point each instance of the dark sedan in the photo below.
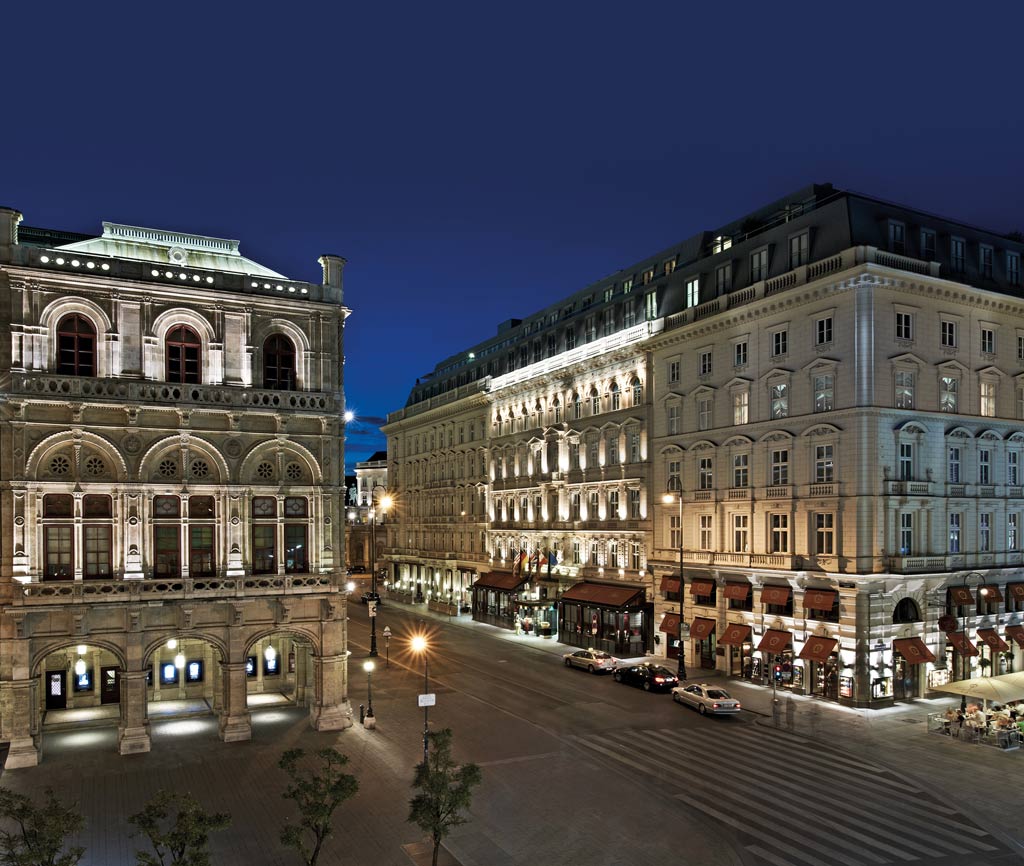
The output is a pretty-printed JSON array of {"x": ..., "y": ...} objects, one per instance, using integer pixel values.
[{"x": 650, "y": 677}]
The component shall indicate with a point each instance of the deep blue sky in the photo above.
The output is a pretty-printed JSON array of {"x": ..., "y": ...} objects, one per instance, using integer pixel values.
[{"x": 478, "y": 161}]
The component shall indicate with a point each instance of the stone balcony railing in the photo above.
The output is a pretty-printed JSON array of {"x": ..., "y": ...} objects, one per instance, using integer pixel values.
[
  {"x": 137, "y": 391},
  {"x": 171, "y": 589}
]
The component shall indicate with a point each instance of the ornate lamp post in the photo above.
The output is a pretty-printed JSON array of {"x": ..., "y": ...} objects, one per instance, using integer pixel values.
[
  {"x": 419, "y": 645},
  {"x": 964, "y": 670},
  {"x": 368, "y": 667},
  {"x": 384, "y": 503},
  {"x": 668, "y": 499}
]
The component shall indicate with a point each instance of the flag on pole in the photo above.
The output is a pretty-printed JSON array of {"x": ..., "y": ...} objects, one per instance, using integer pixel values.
[
  {"x": 522, "y": 559},
  {"x": 552, "y": 561},
  {"x": 514, "y": 556},
  {"x": 535, "y": 561}
]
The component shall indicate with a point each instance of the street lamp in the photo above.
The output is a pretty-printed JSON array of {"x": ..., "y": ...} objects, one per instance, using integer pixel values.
[
  {"x": 419, "y": 645},
  {"x": 384, "y": 503},
  {"x": 983, "y": 591},
  {"x": 368, "y": 667},
  {"x": 668, "y": 499}
]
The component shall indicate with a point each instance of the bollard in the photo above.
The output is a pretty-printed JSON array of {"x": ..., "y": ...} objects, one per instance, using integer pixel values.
[{"x": 362, "y": 713}]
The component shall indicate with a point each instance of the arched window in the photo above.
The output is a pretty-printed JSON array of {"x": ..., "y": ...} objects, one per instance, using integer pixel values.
[
  {"x": 184, "y": 356},
  {"x": 595, "y": 402},
  {"x": 615, "y": 396},
  {"x": 906, "y": 610},
  {"x": 76, "y": 346},
  {"x": 638, "y": 393},
  {"x": 279, "y": 363}
]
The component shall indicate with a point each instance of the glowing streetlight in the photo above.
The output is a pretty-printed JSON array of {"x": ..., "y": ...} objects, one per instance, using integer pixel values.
[
  {"x": 368, "y": 667},
  {"x": 669, "y": 499},
  {"x": 419, "y": 645}
]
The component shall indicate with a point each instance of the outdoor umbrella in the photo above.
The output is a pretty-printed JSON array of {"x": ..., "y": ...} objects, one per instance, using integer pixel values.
[{"x": 1002, "y": 689}]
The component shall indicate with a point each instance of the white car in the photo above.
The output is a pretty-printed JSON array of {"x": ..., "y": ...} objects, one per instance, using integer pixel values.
[
  {"x": 707, "y": 699},
  {"x": 591, "y": 660}
]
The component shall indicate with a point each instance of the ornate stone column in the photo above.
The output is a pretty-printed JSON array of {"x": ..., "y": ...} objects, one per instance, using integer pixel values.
[
  {"x": 21, "y": 716},
  {"x": 133, "y": 728},
  {"x": 234, "y": 723},
  {"x": 330, "y": 709}
]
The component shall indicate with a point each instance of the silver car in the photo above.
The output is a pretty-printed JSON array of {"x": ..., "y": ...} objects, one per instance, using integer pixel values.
[
  {"x": 591, "y": 660},
  {"x": 707, "y": 699}
]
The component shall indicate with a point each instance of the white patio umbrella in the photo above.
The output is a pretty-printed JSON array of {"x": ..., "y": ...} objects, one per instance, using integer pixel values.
[{"x": 1002, "y": 689}]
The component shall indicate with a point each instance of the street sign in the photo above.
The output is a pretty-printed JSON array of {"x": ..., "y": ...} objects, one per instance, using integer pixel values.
[
  {"x": 427, "y": 700},
  {"x": 387, "y": 631},
  {"x": 684, "y": 630},
  {"x": 372, "y": 605}
]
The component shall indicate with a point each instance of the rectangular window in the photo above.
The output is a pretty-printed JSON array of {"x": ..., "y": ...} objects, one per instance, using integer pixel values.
[
  {"x": 780, "y": 342},
  {"x": 1013, "y": 468},
  {"x": 904, "y": 326},
  {"x": 692, "y": 292},
  {"x": 627, "y": 286},
  {"x": 96, "y": 560},
  {"x": 740, "y": 470},
  {"x": 953, "y": 466},
  {"x": 740, "y": 531},
  {"x": 706, "y": 475},
  {"x": 704, "y": 413},
  {"x": 200, "y": 551},
  {"x": 948, "y": 334},
  {"x": 673, "y": 372},
  {"x": 1012, "y": 536},
  {"x": 634, "y": 446},
  {"x": 59, "y": 562},
  {"x": 954, "y": 532},
  {"x": 166, "y": 551},
  {"x": 824, "y": 534},
  {"x": 897, "y": 237},
  {"x": 613, "y": 505},
  {"x": 928, "y": 245},
  {"x": 824, "y": 464},
  {"x": 823, "y": 331},
  {"x": 984, "y": 466},
  {"x": 780, "y": 467},
  {"x": 672, "y": 418},
  {"x": 988, "y": 341},
  {"x": 264, "y": 548},
  {"x": 669, "y": 266},
  {"x": 574, "y": 504},
  {"x": 674, "y": 475},
  {"x": 612, "y": 449},
  {"x": 723, "y": 278},
  {"x": 706, "y": 531},
  {"x": 296, "y": 548},
  {"x": 576, "y": 553},
  {"x": 906, "y": 534},
  {"x": 824, "y": 393},
  {"x": 904, "y": 389},
  {"x": 705, "y": 363},
  {"x": 759, "y": 266},
  {"x": 906, "y": 461},
  {"x": 988, "y": 399},
  {"x": 674, "y": 532},
  {"x": 984, "y": 532},
  {"x": 949, "y": 388},
  {"x": 740, "y": 407},
  {"x": 799, "y": 247},
  {"x": 634, "y": 504},
  {"x": 647, "y": 276},
  {"x": 985, "y": 259},
  {"x": 651, "y": 306},
  {"x": 570, "y": 338},
  {"x": 739, "y": 354},
  {"x": 1013, "y": 269},
  {"x": 958, "y": 254},
  {"x": 779, "y": 535},
  {"x": 779, "y": 394}
]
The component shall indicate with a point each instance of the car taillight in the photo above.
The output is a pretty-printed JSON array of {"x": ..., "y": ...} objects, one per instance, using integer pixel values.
[{"x": 659, "y": 679}]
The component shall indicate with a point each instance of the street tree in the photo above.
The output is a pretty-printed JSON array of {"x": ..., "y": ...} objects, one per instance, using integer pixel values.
[
  {"x": 316, "y": 794},
  {"x": 178, "y": 829},
  {"x": 445, "y": 790},
  {"x": 36, "y": 835}
]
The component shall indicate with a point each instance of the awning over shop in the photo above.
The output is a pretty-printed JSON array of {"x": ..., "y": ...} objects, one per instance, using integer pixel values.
[
  {"x": 504, "y": 580},
  {"x": 819, "y": 599},
  {"x": 602, "y": 594},
  {"x": 962, "y": 644},
  {"x": 775, "y": 594},
  {"x": 702, "y": 587},
  {"x": 735, "y": 634},
  {"x": 961, "y": 595},
  {"x": 1016, "y": 590},
  {"x": 818, "y": 649},
  {"x": 1016, "y": 632},
  {"x": 701, "y": 627},
  {"x": 670, "y": 584},
  {"x": 670, "y": 624},
  {"x": 913, "y": 649},
  {"x": 737, "y": 591},
  {"x": 991, "y": 593},
  {"x": 774, "y": 641},
  {"x": 991, "y": 637}
]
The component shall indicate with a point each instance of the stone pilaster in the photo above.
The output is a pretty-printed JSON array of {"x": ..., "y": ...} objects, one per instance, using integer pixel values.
[
  {"x": 133, "y": 728},
  {"x": 234, "y": 723}
]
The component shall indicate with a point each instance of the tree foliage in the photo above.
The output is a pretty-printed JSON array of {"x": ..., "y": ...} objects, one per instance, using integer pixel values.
[
  {"x": 316, "y": 793},
  {"x": 445, "y": 790},
  {"x": 36, "y": 835},
  {"x": 178, "y": 840}
]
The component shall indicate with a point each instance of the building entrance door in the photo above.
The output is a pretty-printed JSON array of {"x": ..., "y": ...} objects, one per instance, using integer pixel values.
[
  {"x": 56, "y": 690},
  {"x": 110, "y": 685},
  {"x": 904, "y": 678}
]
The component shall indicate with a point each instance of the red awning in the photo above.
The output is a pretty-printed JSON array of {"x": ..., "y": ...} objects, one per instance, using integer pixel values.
[
  {"x": 701, "y": 627},
  {"x": 702, "y": 587},
  {"x": 670, "y": 584},
  {"x": 962, "y": 644},
  {"x": 503, "y": 580},
  {"x": 739, "y": 591},
  {"x": 913, "y": 650},
  {"x": 1016, "y": 590},
  {"x": 1014, "y": 632},
  {"x": 961, "y": 595},
  {"x": 773, "y": 641},
  {"x": 819, "y": 599},
  {"x": 602, "y": 595},
  {"x": 670, "y": 624},
  {"x": 991, "y": 593},
  {"x": 736, "y": 634},
  {"x": 991, "y": 637},
  {"x": 775, "y": 594},
  {"x": 818, "y": 649}
]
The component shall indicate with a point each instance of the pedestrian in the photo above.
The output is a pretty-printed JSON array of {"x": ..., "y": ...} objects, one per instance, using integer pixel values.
[
  {"x": 790, "y": 711},
  {"x": 519, "y": 625}
]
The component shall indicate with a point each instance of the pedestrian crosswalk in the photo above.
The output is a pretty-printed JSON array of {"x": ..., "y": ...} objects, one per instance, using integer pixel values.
[{"x": 796, "y": 802}]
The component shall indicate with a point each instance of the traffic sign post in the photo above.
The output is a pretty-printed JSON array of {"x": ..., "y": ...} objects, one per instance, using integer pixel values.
[
  {"x": 372, "y": 605},
  {"x": 387, "y": 646}
]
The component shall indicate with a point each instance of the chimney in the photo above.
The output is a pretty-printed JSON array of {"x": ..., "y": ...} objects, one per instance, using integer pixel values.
[
  {"x": 9, "y": 219},
  {"x": 333, "y": 267}
]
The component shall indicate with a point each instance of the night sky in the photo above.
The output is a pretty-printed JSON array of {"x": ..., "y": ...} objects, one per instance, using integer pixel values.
[{"x": 476, "y": 162}]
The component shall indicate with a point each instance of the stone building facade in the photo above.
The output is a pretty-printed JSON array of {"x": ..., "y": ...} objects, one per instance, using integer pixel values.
[{"x": 172, "y": 484}]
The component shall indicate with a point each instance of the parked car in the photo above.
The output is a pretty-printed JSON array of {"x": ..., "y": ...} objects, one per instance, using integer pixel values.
[
  {"x": 590, "y": 660},
  {"x": 707, "y": 699},
  {"x": 371, "y": 596},
  {"x": 357, "y": 569},
  {"x": 649, "y": 677}
]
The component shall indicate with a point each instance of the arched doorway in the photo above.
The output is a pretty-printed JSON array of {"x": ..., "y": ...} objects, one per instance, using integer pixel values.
[{"x": 279, "y": 670}]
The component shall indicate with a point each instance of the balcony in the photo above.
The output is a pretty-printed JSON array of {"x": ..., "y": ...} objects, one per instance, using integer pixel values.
[
  {"x": 822, "y": 489},
  {"x": 738, "y": 493},
  {"x": 779, "y": 491},
  {"x": 909, "y": 488}
]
